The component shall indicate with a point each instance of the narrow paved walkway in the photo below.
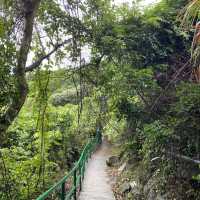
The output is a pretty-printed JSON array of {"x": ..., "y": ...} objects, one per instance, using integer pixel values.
[{"x": 96, "y": 184}]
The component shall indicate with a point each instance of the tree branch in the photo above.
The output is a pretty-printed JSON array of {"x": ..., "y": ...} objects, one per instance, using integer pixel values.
[
  {"x": 167, "y": 87},
  {"x": 185, "y": 158},
  {"x": 37, "y": 63}
]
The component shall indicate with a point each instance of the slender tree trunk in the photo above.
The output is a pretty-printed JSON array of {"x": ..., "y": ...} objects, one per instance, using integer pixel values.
[{"x": 29, "y": 8}]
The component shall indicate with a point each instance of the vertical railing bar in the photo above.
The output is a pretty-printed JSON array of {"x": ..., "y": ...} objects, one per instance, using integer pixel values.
[
  {"x": 63, "y": 191},
  {"x": 75, "y": 189},
  {"x": 84, "y": 157},
  {"x": 80, "y": 172}
]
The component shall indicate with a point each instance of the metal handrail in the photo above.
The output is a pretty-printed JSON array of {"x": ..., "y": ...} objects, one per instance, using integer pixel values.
[{"x": 77, "y": 175}]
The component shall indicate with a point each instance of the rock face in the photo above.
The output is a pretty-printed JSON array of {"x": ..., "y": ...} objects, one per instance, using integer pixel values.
[
  {"x": 121, "y": 168},
  {"x": 112, "y": 161},
  {"x": 125, "y": 188},
  {"x": 159, "y": 197},
  {"x": 151, "y": 195},
  {"x": 150, "y": 191},
  {"x": 136, "y": 190},
  {"x": 149, "y": 186}
]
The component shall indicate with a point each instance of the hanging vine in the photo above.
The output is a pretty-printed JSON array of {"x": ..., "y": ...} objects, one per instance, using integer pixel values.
[{"x": 42, "y": 78}]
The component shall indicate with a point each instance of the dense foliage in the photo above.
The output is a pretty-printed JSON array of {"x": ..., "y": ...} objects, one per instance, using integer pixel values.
[{"x": 141, "y": 84}]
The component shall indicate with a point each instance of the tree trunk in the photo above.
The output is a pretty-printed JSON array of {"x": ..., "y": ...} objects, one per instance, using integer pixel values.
[{"x": 29, "y": 8}]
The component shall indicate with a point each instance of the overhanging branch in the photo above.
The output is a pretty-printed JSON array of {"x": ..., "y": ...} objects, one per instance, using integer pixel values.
[
  {"x": 37, "y": 63},
  {"x": 184, "y": 158}
]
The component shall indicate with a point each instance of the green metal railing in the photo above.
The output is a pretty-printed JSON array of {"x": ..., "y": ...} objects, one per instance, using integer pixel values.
[{"x": 71, "y": 184}]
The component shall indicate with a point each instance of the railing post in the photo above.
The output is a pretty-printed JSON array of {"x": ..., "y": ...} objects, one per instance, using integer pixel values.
[
  {"x": 63, "y": 191},
  {"x": 80, "y": 173},
  {"x": 86, "y": 156},
  {"x": 75, "y": 185},
  {"x": 98, "y": 136},
  {"x": 83, "y": 167},
  {"x": 90, "y": 150}
]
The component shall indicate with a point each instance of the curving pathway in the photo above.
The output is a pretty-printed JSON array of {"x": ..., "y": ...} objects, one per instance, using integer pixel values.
[{"x": 96, "y": 185}]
